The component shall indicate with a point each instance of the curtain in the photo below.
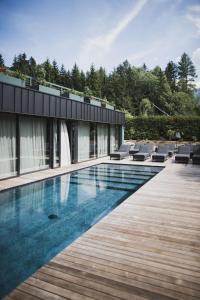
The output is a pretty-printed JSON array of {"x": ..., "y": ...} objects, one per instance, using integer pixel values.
[
  {"x": 112, "y": 139},
  {"x": 7, "y": 146},
  {"x": 56, "y": 158},
  {"x": 102, "y": 140},
  {"x": 83, "y": 141},
  {"x": 33, "y": 144},
  {"x": 65, "y": 159}
]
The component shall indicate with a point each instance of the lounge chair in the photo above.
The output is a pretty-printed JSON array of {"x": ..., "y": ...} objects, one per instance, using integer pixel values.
[
  {"x": 122, "y": 152},
  {"x": 183, "y": 154},
  {"x": 144, "y": 153},
  {"x": 196, "y": 154},
  {"x": 136, "y": 148},
  {"x": 162, "y": 153}
]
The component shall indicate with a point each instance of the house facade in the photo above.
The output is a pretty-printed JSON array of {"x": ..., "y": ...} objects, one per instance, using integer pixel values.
[{"x": 39, "y": 130}]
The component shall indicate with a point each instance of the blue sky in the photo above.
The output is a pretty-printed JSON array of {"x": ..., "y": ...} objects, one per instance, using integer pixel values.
[{"x": 103, "y": 32}]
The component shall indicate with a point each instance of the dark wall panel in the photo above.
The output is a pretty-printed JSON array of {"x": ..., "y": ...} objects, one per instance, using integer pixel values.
[
  {"x": 8, "y": 98},
  {"x": 63, "y": 108},
  {"x": 69, "y": 109},
  {"x": 31, "y": 102},
  {"x": 74, "y": 105},
  {"x": 58, "y": 108},
  {"x": 18, "y": 100},
  {"x": 52, "y": 106},
  {"x": 25, "y": 101},
  {"x": 1, "y": 95},
  {"x": 38, "y": 104},
  {"x": 46, "y": 107}
]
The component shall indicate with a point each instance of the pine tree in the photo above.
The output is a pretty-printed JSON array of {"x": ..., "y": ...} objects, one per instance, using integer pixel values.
[
  {"x": 55, "y": 72},
  {"x": 48, "y": 70},
  {"x": 171, "y": 73},
  {"x": 186, "y": 72},
  {"x": 62, "y": 76},
  {"x": 75, "y": 78},
  {"x": 1, "y": 61},
  {"x": 32, "y": 67}
]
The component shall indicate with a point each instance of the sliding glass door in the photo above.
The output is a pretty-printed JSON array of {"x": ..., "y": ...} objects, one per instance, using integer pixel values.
[
  {"x": 7, "y": 146},
  {"x": 34, "y": 144},
  {"x": 102, "y": 140}
]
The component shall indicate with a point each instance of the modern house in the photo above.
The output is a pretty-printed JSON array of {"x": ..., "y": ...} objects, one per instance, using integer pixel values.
[{"x": 43, "y": 128}]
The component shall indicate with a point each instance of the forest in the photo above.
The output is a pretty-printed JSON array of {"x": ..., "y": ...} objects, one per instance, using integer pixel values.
[{"x": 138, "y": 91}]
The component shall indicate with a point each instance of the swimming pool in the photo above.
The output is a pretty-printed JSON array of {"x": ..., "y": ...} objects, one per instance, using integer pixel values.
[{"x": 38, "y": 220}]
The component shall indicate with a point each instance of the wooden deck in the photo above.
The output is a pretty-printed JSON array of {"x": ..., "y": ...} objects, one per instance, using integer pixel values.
[{"x": 147, "y": 248}]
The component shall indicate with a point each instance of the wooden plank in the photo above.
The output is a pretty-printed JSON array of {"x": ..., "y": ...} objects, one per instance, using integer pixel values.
[{"x": 147, "y": 248}]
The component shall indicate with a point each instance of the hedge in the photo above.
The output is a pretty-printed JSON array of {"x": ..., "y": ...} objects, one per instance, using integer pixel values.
[{"x": 163, "y": 127}]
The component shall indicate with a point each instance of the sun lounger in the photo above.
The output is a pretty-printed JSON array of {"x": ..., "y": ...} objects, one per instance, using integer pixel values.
[
  {"x": 162, "y": 153},
  {"x": 183, "y": 154},
  {"x": 122, "y": 152},
  {"x": 136, "y": 148},
  {"x": 196, "y": 154},
  {"x": 144, "y": 153}
]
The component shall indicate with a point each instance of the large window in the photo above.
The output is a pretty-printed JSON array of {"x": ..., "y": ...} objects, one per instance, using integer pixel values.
[
  {"x": 83, "y": 141},
  {"x": 34, "y": 144},
  {"x": 102, "y": 140},
  {"x": 7, "y": 146}
]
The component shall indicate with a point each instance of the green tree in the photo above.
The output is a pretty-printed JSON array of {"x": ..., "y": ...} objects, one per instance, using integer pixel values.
[
  {"x": 48, "y": 70},
  {"x": 145, "y": 107},
  {"x": 32, "y": 67},
  {"x": 186, "y": 73},
  {"x": 55, "y": 72},
  {"x": 171, "y": 73},
  {"x": 75, "y": 78},
  {"x": 1, "y": 61}
]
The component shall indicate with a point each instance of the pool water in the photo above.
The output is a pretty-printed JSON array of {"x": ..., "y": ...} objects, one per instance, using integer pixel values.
[{"x": 39, "y": 219}]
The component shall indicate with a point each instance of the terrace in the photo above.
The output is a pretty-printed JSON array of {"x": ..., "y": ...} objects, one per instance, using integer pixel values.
[{"x": 146, "y": 248}]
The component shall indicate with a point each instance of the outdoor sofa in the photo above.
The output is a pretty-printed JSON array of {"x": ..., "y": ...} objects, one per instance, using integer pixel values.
[
  {"x": 144, "y": 153},
  {"x": 122, "y": 152},
  {"x": 162, "y": 153},
  {"x": 196, "y": 154},
  {"x": 136, "y": 148},
  {"x": 183, "y": 154}
]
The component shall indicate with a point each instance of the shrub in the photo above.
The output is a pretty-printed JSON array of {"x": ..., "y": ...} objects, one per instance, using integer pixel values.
[{"x": 156, "y": 127}]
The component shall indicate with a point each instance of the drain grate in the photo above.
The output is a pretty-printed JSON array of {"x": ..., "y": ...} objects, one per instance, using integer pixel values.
[{"x": 52, "y": 216}]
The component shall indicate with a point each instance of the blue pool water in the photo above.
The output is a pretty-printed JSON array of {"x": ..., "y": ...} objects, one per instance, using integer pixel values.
[{"x": 38, "y": 220}]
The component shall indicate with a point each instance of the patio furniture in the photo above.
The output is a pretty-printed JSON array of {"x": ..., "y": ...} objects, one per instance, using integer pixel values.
[
  {"x": 183, "y": 154},
  {"x": 196, "y": 154},
  {"x": 136, "y": 148},
  {"x": 162, "y": 153},
  {"x": 122, "y": 152},
  {"x": 144, "y": 153}
]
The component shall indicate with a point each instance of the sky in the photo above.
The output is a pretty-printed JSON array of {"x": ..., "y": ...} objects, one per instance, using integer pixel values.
[{"x": 102, "y": 32}]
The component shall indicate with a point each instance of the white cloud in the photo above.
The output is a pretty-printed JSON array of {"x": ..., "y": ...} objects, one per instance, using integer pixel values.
[
  {"x": 196, "y": 57},
  {"x": 194, "y": 8},
  {"x": 95, "y": 48},
  {"x": 194, "y": 17}
]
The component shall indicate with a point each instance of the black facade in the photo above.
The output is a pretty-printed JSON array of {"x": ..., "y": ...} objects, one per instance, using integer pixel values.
[{"x": 19, "y": 100}]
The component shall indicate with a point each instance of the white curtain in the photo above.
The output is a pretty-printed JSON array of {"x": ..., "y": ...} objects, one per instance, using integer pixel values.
[
  {"x": 65, "y": 159},
  {"x": 112, "y": 139},
  {"x": 102, "y": 140},
  {"x": 83, "y": 141},
  {"x": 33, "y": 137},
  {"x": 55, "y": 143},
  {"x": 7, "y": 146}
]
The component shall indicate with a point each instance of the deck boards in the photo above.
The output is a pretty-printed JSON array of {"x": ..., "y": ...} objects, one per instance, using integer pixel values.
[{"x": 147, "y": 248}]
